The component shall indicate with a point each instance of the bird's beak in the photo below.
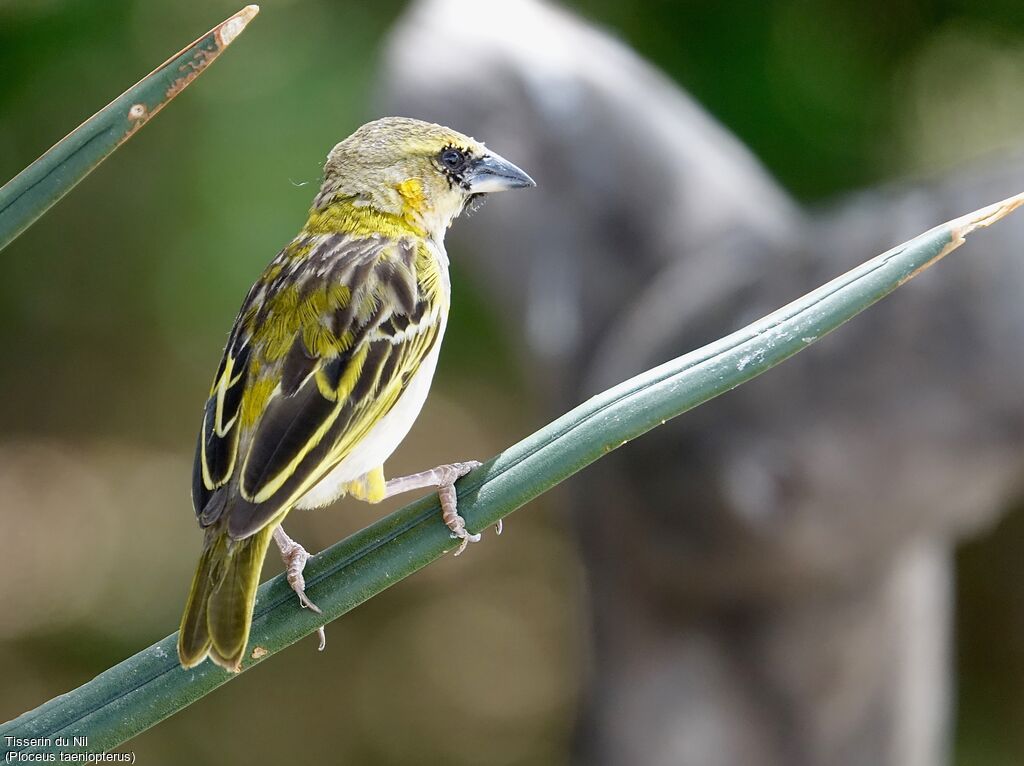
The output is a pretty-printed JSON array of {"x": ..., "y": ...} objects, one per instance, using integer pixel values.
[{"x": 492, "y": 173}]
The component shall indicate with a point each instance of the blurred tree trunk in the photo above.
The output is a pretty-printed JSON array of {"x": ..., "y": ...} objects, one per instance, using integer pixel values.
[{"x": 770, "y": 575}]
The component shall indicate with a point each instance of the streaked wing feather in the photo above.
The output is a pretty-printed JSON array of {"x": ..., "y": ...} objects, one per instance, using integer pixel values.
[
  {"x": 218, "y": 439},
  {"x": 365, "y": 322},
  {"x": 330, "y": 429}
]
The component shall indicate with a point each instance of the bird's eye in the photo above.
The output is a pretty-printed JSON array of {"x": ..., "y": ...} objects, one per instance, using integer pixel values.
[{"x": 453, "y": 159}]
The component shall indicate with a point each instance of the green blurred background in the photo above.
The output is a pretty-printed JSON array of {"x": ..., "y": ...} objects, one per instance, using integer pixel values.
[{"x": 114, "y": 308}]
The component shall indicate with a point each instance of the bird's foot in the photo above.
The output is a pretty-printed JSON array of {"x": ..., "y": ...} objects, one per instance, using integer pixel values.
[
  {"x": 295, "y": 558},
  {"x": 447, "y": 476},
  {"x": 443, "y": 477}
]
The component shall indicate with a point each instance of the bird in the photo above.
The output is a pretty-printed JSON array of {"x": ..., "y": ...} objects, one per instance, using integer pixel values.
[{"x": 328, "y": 364}]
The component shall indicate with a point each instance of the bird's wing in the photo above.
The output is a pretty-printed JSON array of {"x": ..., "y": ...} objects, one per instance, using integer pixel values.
[{"x": 322, "y": 349}]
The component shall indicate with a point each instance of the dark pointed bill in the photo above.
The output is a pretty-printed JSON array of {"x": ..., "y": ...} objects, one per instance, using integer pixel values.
[{"x": 492, "y": 173}]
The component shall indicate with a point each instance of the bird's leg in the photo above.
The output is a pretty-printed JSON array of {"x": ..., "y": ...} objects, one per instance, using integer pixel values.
[
  {"x": 443, "y": 477},
  {"x": 295, "y": 558}
]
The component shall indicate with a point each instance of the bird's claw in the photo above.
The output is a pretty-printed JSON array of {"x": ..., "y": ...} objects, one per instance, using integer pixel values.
[
  {"x": 464, "y": 536},
  {"x": 295, "y": 558},
  {"x": 449, "y": 503},
  {"x": 305, "y": 602}
]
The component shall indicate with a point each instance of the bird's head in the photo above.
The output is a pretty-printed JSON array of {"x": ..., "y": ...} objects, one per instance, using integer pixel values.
[{"x": 423, "y": 172}]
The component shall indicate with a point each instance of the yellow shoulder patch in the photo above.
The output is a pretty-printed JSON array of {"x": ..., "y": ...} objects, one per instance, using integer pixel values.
[{"x": 411, "y": 190}]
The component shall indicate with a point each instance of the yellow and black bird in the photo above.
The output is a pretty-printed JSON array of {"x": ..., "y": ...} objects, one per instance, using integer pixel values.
[{"x": 328, "y": 364}]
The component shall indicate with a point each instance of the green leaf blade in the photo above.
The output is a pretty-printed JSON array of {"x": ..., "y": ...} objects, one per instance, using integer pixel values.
[{"x": 42, "y": 184}]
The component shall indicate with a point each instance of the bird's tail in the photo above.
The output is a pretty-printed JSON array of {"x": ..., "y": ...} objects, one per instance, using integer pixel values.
[{"x": 219, "y": 609}]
